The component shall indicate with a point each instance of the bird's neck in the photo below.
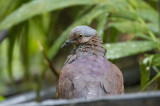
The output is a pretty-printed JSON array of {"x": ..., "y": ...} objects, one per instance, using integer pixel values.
[{"x": 92, "y": 47}]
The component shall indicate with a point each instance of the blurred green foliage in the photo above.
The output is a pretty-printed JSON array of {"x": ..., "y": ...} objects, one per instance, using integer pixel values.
[
  {"x": 50, "y": 21},
  {"x": 2, "y": 98}
]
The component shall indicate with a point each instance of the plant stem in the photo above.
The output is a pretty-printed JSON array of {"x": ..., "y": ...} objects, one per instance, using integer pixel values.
[
  {"x": 150, "y": 82},
  {"x": 53, "y": 69}
]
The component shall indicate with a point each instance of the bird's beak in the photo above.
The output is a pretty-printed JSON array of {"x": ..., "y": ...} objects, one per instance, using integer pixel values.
[{"x": 65, "y": 44}]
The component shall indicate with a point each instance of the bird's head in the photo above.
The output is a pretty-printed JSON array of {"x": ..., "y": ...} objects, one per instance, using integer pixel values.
[{"x": 79, "y": 35}]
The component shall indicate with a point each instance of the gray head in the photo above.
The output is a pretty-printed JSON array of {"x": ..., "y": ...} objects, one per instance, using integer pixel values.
[{"x": 80, "y": 34}]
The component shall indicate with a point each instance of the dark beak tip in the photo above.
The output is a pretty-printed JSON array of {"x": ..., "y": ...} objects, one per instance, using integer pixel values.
[{"x": 64, "y": 45}]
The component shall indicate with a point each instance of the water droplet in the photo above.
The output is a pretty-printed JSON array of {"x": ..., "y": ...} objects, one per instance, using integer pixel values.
[
  {"x": 133, "y": 45},
  {"x": 108, "y": 45},
  {"x": 147, "y": 68},
  {"x": 111, "y": 51},
  {"x": 117, "y": 56}
]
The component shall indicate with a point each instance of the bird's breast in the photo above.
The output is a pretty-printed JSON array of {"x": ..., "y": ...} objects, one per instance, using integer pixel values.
[{"x": 91, "y": 66}]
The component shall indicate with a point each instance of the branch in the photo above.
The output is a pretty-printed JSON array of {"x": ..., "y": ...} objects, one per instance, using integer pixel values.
[{"x": 53, "y": 69}]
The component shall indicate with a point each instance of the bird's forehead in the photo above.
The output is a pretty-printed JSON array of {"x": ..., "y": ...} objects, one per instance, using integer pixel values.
[{"x": 85, "y": 30}]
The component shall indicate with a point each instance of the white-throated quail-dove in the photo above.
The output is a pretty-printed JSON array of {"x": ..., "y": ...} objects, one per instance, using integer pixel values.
[{"x": 87, "y": 73}]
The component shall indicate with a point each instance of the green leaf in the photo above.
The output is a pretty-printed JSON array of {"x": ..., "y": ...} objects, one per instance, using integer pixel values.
[
  {"x": 121, "y": 10},
  {"x": 145, "y": 67},
  {"x": 127, "y": 26},
  {"x": 2, "y": 98},
  {"x": 86, "y": 19},
  {"x": 142, "y": 35},
  {"x": 10, "y": 55},
  {"x": 13, "y": 35},
  {"x": 36, "y": 7},
  {"x": 152, "y": 59},
  {"x": 5, "y": 7},
  {"x": 101, "y": 24},
  {"x": 25, "y": 51},
  {"x": 156, "y": 60},
  {"x": 38, "y": 32},
  {"x": 147, "y": 12},
  {"x": 151, "y": 81},
  {"x": 154, "y": 27},
  {"x": 145, "y": 74},
  {"x": 119, "y": 50}
]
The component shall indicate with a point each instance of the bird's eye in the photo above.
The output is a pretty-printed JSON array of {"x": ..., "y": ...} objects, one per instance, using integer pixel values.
[{"x": 80, "y": 35}]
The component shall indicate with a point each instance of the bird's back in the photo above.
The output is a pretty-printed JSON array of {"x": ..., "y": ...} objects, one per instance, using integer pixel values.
[{"x": 89, "y": 77}]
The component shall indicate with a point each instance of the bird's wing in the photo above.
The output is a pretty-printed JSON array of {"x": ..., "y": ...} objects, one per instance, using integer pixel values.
[
  {"x": 77, "y": 81},
  {"x": 115, "y": 79},
  {"x": 71, "y": 85},
  {"x": 112, "y": 83}
]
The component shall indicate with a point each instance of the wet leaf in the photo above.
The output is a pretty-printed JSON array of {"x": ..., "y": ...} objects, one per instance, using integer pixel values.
[
  {"x": 154, "y": 27},
  {"x": 123, "y": 12},
  {"x": 41, "y": 6},
  {"x": 123, "y": 49},
  {"x": 147, "y": 12},
  {"x": 127, "y": 26}
]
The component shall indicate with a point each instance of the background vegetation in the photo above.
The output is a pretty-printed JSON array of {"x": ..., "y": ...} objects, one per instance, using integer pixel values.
[{"x": 127, "y": 27}]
